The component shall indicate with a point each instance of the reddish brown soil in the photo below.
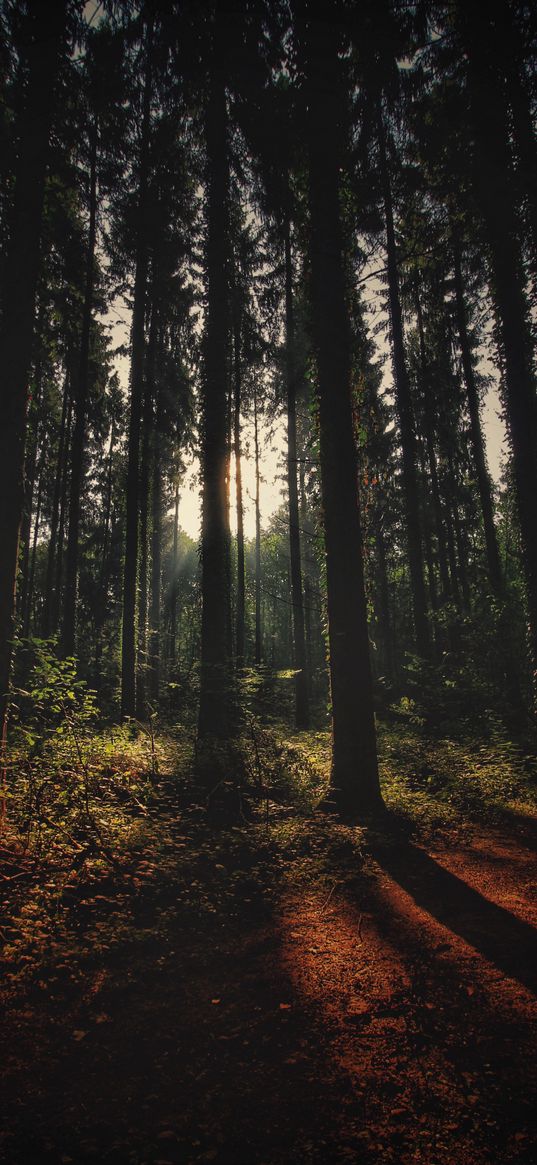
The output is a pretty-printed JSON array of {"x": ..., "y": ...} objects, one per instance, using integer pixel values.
[{"x": 391, "y": 1022}]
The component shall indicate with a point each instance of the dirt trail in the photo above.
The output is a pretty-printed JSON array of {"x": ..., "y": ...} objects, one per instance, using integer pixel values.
[
  {"x": 426, "y": 989},
  {"x": 390, "y": 1022}
]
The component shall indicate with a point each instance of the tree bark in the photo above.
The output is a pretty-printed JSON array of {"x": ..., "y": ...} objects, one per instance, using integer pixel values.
[
  {"x": 130, "y": 568},
  {"x": 431, "y": 456},
  {"x": 216, "y": 711},
  {"x": 404, "y": 410},
  {"x": 478, "y": 448},
  {"x": 302, "y": 717},
  {"x": 45, "y": 27},
  {"x": 48, "y": 626},
  {"x": 355, "y": 789},
  {"x": 241, "y": 588},
  {"x": 258, "y": 650},
  {"x": 156, "y": 537},
  {"x": 175, "y": 563},
  {"x": 495, "y": 186},
  {"x": 78, "y": 443}
]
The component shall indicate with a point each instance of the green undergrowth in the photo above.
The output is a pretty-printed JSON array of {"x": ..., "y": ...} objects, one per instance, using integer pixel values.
[
  {"x": 100, "y": 818},
  {"x": 436, "y": 781}
]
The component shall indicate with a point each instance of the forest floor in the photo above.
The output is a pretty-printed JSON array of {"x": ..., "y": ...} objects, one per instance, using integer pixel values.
[{"x": 289, "y": 990}]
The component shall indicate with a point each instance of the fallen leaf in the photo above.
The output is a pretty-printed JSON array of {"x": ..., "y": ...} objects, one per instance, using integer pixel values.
[
  {"x": 79, "y": 1035},
  {"x": 285, "y": 1006},
  {"x": 216, "y": 1000}
]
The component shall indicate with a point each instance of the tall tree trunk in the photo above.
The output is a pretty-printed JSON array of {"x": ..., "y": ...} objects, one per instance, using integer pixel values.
[
  {"x": 404, "y": 410},
  {"x": 258, "y": 649},
  {"x": 130, "y": 568},
  {"x": 216, "y": 711},
  {"x": 147, "y": 437},
  {"x": 48, "y": 625},
  {"x": 175, "y": 566},
  {"x": 476, "y": 434},
  {"x": 68, "y": 635},
  {"x": 105, "y": 568},
  {"x": 45, "y": 27},
  {"x": 495, "y": 187},
  {"x": 302, "y": 717},
  {"x": 27, "y": 623},
  {"x": 431, "y": 456},
  {"x": 427, "y": 539},
  {"x": 354, "y": 778},
  {"x": 58, "y": 583},
  {"x": 383, "y": 600},
  {"x": 26, "y": 526},
  {"x": 241, "y": 587},
  {"x": 156, "y": 540}
]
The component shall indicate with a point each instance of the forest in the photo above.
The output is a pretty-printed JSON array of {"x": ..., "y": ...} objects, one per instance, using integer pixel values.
[{"x": 268, "y": 582}]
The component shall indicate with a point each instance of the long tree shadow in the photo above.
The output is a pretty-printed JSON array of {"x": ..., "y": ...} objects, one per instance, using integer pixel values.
[{"x": 506, "y": 941}]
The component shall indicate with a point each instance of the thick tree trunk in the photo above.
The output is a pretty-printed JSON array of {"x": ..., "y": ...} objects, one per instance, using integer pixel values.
[
  {"x": 495, "y": 186},
  {"x": 302, "y": 717},
  {"x": 216, "y": 712},
  {"x": 404, "y": 410},
  {"x": 354, "y": 779},
  {"x": 45, "y": 27},
  {"x": 478, "y": 447},
  {"x": 130, "y": 568},
  {"x": 68, "y": 634}
]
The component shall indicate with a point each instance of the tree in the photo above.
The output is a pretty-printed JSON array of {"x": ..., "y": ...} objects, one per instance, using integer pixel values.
[
  {"x": 354, "y": 779},
  {"x": 41, "y": 56}
]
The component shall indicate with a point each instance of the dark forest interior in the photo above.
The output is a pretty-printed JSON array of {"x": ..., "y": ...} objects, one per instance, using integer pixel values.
[{"x": 268, "y": 582}]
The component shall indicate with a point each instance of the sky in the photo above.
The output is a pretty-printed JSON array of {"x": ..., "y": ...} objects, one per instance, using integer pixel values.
[{"x": 272, "y": 446}]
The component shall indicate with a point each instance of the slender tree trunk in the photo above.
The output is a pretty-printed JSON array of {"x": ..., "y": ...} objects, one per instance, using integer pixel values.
[
  {"x": 354, "y": 779},
  {"x": 58, "y": 584},
  {"x": 216, "y": 712},
  {"x": 104, "y": 571},
  {"x": 241, "y": 587},
  {"x": 258, "y": 656},
  {"x": 47, "y": 626},
  {"x": 107, "y": 509},
  {"x": 175, "y": 566},
  {"x": 302, "y": 717},
  {"x": 478, "y": 448},
  {"x": 427, "y": 534},
  {"x": 383, "y": 601},
  {"x": 68, "y": 636},
  {"x": 156, "y": 543},
  {"x": 431, "y": 457},
  {"x": 130, "y": 568},
  {"x": 143, "y": 535},
  {"x": 457, "y": 530},
  {"x": 26, "y": 527},
  {"x": 45, "y": 28},
  {"x": 404, "y": 409},
  {"x": 27, "y": 624}
]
